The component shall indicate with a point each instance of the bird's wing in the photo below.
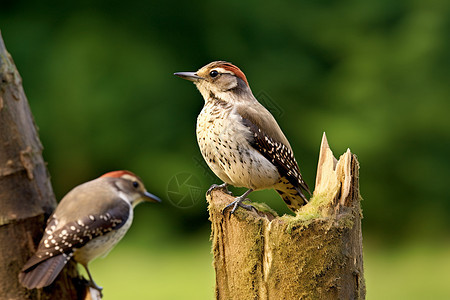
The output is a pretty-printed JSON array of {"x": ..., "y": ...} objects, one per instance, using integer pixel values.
[
  {"x": 59, "y": 240},
  {"x": 268, "y": 139},
  {"x": 263, "y": 119}
]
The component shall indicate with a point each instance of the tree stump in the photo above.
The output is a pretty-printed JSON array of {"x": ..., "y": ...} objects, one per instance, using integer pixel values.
[
  {"x": 26, "y": 195},
  {"x": 316, "y": 254}
]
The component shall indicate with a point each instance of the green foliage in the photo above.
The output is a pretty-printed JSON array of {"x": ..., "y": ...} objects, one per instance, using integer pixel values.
[{"x": 374, "y": 75}]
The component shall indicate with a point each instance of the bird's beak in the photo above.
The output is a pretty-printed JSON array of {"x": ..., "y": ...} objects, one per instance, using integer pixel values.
[
  {"x": 191, "y": 76},
  {"x": 150, "y": 197}
]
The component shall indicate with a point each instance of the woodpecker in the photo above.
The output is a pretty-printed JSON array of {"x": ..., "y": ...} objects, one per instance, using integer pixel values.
[
  {"x": 88, "y": 222},
  {"x": 240, "y": 140}
]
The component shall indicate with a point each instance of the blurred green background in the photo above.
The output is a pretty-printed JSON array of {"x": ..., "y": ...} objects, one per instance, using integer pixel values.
[{"x": 374, "y": 75}]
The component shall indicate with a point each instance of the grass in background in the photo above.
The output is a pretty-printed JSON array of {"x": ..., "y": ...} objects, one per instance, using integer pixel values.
[
  {"x": 413, "y": 271},
  {"x": 183, "y": 270}
]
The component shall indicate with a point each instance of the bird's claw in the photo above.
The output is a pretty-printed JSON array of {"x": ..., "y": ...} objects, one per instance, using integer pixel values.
[
  {"x": 235, "y": 204},
  {"x": 223, "y": 186},
  {"x": 93, "y": 285}
]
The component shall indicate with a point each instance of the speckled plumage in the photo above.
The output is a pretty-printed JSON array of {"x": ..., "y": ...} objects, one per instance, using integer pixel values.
[
  {"x": 227, "y": 151},
  {"x": 88, "y": 222},
  {"x": 239, "y": 139}
]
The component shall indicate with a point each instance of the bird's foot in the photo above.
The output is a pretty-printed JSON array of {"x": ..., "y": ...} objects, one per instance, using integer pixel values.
[
  {"x": 238, "y": 202},
  {"x": 91, "y": 282},
  {"x": 94, "y": 289},
  {"x": 235, "y": 204},
  {"x": 223, "y": 187},
  {"x": 93, "y": 285}
]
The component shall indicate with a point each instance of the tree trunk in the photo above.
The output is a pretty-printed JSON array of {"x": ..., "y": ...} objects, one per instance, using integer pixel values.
[
  {"x": 26, "y": 195},
  {"x": 316, "y": 254}
]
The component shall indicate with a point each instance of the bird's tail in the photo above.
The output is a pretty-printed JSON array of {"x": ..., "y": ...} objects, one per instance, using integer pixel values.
[
  {"x": 293, "y": 197},
  {"x": 43, "y": 273}
]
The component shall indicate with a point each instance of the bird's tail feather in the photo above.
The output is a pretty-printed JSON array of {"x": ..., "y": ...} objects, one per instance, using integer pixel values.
[
  {"x": 293, "y": 197},
  {"x": 43, "y": 273}
]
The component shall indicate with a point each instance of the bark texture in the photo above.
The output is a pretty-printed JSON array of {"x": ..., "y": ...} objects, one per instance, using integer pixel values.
[
  {"x": 26, "y": 195},
  {"x": 316, "y": 254}
]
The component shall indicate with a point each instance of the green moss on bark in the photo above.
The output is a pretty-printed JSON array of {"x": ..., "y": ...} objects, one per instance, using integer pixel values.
[{"x": 316, "y": 254}]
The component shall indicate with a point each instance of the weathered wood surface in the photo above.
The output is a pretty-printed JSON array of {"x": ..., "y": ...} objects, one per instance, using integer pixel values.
[
  {"x": 26, "y": 195},
  {"x": 316, "y": 254}
]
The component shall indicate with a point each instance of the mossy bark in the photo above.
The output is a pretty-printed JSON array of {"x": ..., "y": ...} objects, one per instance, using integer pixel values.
[
  {"x": 26, "y": 195},
  {"x": 316, "y": 254}
]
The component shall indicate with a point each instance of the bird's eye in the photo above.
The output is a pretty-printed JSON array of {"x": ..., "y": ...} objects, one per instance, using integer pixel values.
[
  {"x": 135, "y": 184},
  {"x": 213, "y": 73}
]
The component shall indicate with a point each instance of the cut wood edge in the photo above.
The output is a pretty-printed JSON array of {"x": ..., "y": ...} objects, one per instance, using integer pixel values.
[
  {"x": 344, "y": 175},
  {"x": 324, "y": 155},
  {"x": 326, "y": 179},
  {"x": 333, "y": 181}
]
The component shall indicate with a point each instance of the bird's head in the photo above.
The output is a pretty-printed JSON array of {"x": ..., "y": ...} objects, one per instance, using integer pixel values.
[
  {"x": 219, "y": 78},
  {"x": 130, "y": 187}
]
